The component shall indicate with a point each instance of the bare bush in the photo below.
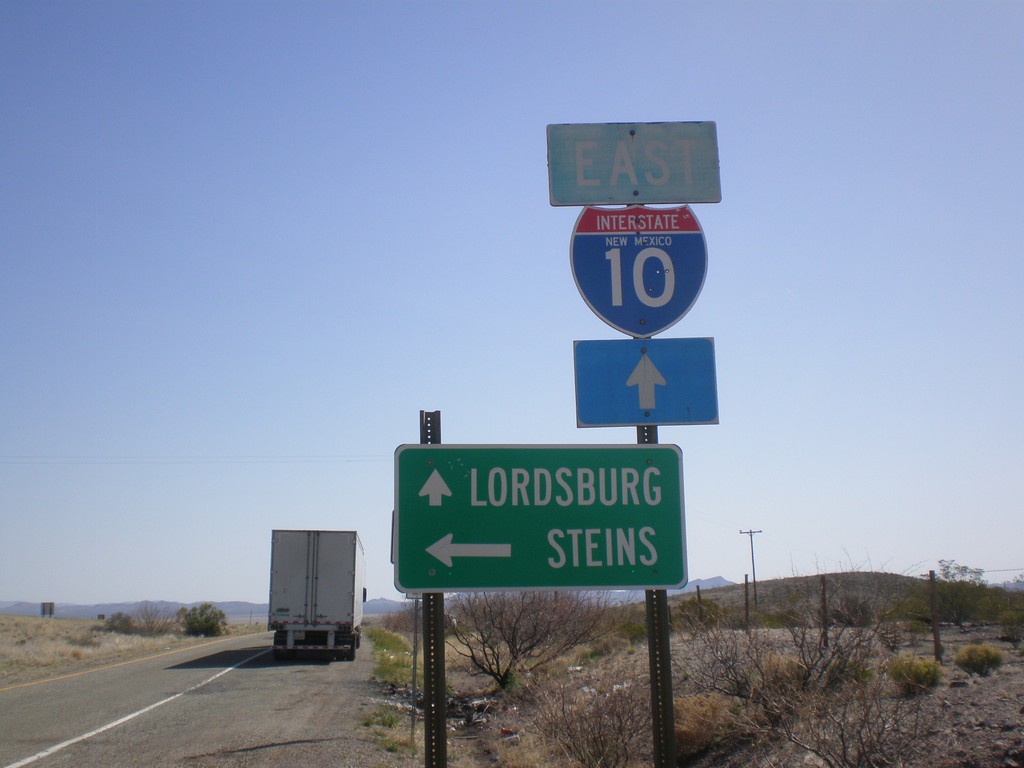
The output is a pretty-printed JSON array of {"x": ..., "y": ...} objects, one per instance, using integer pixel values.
[
  {"x": 402, "y": 620},
  {"x": 154, "y": 620},
  {"x": 506, "y": 634},
  {"x": 859, "y": 725},
  {"x": 1012, "y": 623},
  {"x": 607, "y": 726}
]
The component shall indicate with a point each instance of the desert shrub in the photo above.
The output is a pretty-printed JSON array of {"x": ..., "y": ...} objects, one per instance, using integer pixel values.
[
  {"x": 856, "y": 726},
  {"x": 148, "y": 620},
  {"x": 914, "y": 675},
  {"x": 402, "y": 620},
  {"x": 918, "y": 628},
  {"x": 606, "y": 646},
  {"x": 892, "y": 635},
  {"x": 701, "y": 722},
  {"x": 962, "y": 593},
  {"x": 778, "y": 674},
  {"x": 1012, "y": 623},
  {"x": 206, "y": 620},
  {"x": 605, "y": 726},
  {"x": 691, "y": 614},
  {"x": 632, "y": 631},
  {"x": 833, "y": 656},
  {"x": 120, "y": 622},
  {"x": 153, "y": 620},
  {"x": 722, "y": 661},
  {"x": 505, "y": 635},
  {"x": 775, "y": 619},
  {"x": 854, "y": 611},
  {"x": 978, "y": 659},
  {"x": 962, "y": 596}
]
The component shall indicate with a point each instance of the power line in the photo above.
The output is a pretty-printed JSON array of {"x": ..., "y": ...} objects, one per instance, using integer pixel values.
[{"x": 190, "y": 459}]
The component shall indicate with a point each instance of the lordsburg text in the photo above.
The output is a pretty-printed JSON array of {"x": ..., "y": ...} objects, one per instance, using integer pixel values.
[{"x": 565, "y": 486}]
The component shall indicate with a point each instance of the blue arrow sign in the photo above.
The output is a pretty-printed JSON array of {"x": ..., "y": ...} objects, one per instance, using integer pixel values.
[{"x": 645, "y": 381}]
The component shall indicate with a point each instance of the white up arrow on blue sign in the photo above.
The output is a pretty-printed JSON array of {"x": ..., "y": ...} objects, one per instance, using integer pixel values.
[{"x": 645, "y": 381}]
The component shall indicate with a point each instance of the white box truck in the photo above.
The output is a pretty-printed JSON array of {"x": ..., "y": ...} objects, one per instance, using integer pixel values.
[{"x": 316, "y": 594}]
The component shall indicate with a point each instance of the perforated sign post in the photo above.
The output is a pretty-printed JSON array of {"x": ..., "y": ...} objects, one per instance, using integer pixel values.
[{"x": 639, "y": 269}]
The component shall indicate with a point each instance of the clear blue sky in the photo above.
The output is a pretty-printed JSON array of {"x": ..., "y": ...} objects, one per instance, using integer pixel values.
[{"x": 243, "y": 244}]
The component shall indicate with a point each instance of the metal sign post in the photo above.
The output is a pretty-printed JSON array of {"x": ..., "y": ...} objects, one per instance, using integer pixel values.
[
  {"x": 659, "y": 656},
  {"x": 435, "y": 731}
]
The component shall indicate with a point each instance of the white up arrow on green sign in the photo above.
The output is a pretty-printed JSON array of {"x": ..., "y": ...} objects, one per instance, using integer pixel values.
[{"x": 507, "y": 517}]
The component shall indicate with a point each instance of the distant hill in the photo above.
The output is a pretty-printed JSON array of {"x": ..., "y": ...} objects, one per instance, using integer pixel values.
[
  {"x": 380, "y": 605},
  {"x": 777, "y": 594},
  {"x": 235, "y": 610},
  {"x": 636, "y": 595}
]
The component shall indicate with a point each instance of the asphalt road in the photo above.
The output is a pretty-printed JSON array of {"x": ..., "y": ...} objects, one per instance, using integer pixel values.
[{"x": 226, "y": 703}]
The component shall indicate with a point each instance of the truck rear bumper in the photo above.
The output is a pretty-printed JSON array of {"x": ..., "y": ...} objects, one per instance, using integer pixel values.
[{"x": 306, "y": 643}]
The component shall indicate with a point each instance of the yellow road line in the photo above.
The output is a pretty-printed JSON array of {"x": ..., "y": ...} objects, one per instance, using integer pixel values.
[{"x": 116, "y": 664}]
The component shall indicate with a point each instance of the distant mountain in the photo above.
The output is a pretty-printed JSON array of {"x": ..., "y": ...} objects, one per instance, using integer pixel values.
[
  {"x": 20, "y": 608},
  {"x": 239, "y": 610},
  {"x": 233, "y": 609},
  {"x": 380, "y": 605}
]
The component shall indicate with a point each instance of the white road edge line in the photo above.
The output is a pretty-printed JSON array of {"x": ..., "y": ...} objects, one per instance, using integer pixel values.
[{"x": 58, "y": 747}]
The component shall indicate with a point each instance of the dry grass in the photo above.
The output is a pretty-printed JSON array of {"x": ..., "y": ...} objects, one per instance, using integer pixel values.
[{"x": 34, "y": 647}]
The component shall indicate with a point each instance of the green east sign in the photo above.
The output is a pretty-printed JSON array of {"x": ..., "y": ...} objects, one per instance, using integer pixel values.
[{"x": 517, "y": 517}]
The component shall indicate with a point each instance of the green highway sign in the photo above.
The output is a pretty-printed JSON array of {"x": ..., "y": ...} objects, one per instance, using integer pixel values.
[{"x": 517, "y": 517}]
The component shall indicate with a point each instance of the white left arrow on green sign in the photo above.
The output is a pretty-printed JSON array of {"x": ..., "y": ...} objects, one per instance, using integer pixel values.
[{"x": 444, "y": 549}]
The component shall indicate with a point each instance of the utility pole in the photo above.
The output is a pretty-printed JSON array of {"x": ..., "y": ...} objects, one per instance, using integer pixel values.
[{"x": 753, "y": 570}]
